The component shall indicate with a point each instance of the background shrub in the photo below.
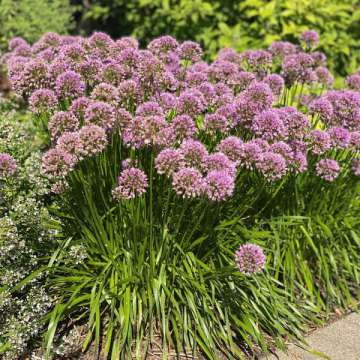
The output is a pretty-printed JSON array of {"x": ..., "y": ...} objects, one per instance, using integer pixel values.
[
  {"x": 31, "y": 18},
  {"x": 239, "y": 24}
]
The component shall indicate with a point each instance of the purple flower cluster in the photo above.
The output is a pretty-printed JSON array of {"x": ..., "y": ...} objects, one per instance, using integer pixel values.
[
  {"x": 328, "y": 169},
  {"x": 132, "y": 182},
  {"x": 43, "y": 101},
  {"x": 310, "y": 37},
  {"x": 250, "y": 259},
  {"x": 204, "y": 122}
]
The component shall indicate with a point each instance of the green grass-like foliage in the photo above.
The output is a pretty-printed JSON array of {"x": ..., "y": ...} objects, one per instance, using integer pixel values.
[{"x": 160, "y": 267}]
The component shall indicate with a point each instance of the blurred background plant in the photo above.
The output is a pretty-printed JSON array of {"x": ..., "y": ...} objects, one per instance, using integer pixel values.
[{"x": 31, "y": 18}]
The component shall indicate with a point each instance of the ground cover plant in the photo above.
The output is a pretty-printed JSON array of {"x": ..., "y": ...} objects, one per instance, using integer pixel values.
[
  {"x": 24, "y": 239},
  {"x": 211, "y": 206}
]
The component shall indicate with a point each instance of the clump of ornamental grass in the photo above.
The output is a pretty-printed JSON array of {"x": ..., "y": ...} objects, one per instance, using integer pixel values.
[{"x": 157, "y": 158}]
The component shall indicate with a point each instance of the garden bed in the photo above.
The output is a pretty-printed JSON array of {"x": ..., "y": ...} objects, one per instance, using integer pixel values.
[{"x": 160, "y": 204}]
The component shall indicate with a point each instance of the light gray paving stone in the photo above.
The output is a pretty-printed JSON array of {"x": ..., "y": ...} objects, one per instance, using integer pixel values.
[{"x": 339, "y": 341}]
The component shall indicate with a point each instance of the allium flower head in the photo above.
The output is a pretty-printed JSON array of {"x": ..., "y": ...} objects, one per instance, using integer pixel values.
[
  {"x": 101, "y": 114},
  {"x": 169, "y": 161},
  {"x": 282, "y": 149},
  {"x": 69, "y": 85},
  {"x": 194, "y": 153},
  {"x": 57, "y": 163},
  {"x": 219, "y": 185},
  {"x": 167, "y": 101},
  {"x": 7, "y": 165},
  {"x": 208, "y": 91},
  {"x": 319, "y": 141},
  {"x": 298, "y": 162},
  {"x": 93, "y": 139},
  {"x": 276, "y": 83},
  {"x": 113, "y": 73},
  {"x": 190, "y": 51},
  {"x": 322, "y": 107},
  {"x": 258, "y": 95},
  {"x": 297, "y": 124},
  {"x": 269, "y": 125},
  {"x": 196, "y": 78},
  {"x": 56, "y": 68},
  {"x": 219, "y": 162},
  {"x": 229, "y": 54},
  {"x": 128, "y": 93},
  {"x": 250, "y": 259},
  {"x": 73, "y": 54},
  {"x": 223, "y": 95},
  {"x": 328, "y": 169},
  {"x": 123, "y": 118},
  {"x": 16, "y": 42},
  {"x": 232, "y": 147},
  {"x": 149, "y": 108},
  {"x": 346, "y": 108},
  {"x": 222, "y": 70},
  {"x": 132, "y": 183},
  {"x": 90, "y": 70},
  {"x": 145, "y": 130},
  {"x": 126, "y": 42},
  {"x": 32, "y": 76},
  {"x": 163, "y": 45},
  {"x": 355, "y": 140},
  {"x": 71, "y": 143},
  {"x": 340, "y": 137},
  {"x": 259, "y": 61},
  {"x": 43, "y": 101},
  {"x": 324, "y": 76},
  {"x": 100, "y": 43},
  {"x": 59, "y": 187},
  {"x": 61, "y": 122},
  {"x": 23, "y": 50},
  {"x": 250, "y": 155},
  {"x": 106, "y": 93},
  {"x": 184, "y": 127},
  {"x": 79, "y": 106},
  {"x": 281, "y": 49},
  {"x": 244, "y": 79},
  {"x": 49, "y": 39},
  {"x": 190, "y": 102},
  {"x": 353, "y": 81},
  {"x": 166, "y": 137},
  {"x": 298, "y": 67},
  {"x": 319, "y": 58},
  {"x": 310, "y": 37},
  {"x": 263, "y": 144},
  {"x": 188, "y": 183},
  {"x": 216, "y": 123},
  {"x": 272, "y": 166}
]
